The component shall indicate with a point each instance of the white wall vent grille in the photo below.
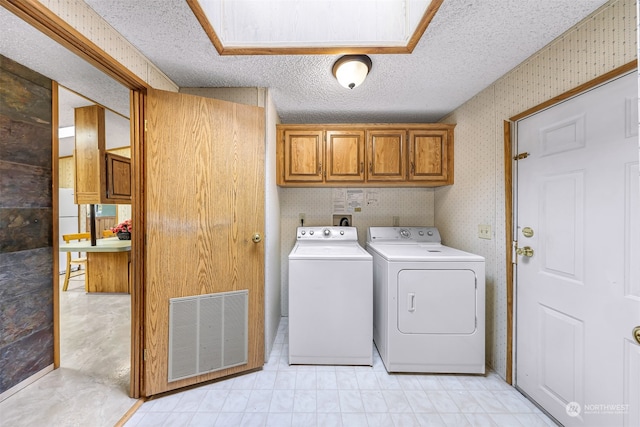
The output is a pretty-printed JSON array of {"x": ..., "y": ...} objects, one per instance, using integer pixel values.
[{"x": 207, "y": 333}]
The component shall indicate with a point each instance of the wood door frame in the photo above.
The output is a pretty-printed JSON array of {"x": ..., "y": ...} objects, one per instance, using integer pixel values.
[
  {"x": 44, "y": 20},
  {"x": 510, "y": 209}
]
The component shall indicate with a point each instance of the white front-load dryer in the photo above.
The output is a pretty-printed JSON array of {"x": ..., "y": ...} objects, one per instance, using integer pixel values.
[{"x": 429, "y": 302}]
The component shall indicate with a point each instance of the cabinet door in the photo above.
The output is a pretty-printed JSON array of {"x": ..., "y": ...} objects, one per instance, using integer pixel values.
[
  {"x": 386, "y": 155},
  {"x": 118, "y": 178},
  {"x": 345, "y": 156},
  {"x": 303, "y": 155},
  {"x": 429, "y": 155}
]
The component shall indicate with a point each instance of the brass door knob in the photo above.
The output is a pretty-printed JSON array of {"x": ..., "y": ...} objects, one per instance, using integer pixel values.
[
  {"x": 257, "y": 238},
  {"x": 636, "y": 334},
  {"x": 526, "y": 251}
]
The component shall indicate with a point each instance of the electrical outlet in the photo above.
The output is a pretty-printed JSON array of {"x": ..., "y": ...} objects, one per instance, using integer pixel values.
[
  {"x": 396, "y": 221},
  {"x": 484, "y": 231}
]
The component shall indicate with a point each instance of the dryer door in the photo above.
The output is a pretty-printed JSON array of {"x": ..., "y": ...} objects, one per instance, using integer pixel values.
[{"x": 437, "y": 301}]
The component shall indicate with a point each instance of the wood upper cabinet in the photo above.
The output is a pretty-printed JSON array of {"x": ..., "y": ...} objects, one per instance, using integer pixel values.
[
  {"x": 366, "y": 155},
  {"x": 345, "y": 156},
  {"x": 101, "y": 177},
  {"x": 429, "y": 153},
  {"x": 303, "y": 151},
  {"x": 386, "y": 155}
]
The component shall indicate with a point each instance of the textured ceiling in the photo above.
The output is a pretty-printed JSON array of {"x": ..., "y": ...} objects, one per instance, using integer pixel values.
[
  {"x": 468, "y": 45},
  {"x": 29, "y": 47}
]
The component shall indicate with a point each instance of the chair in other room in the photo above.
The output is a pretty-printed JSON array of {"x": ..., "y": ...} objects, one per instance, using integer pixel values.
[{"x": 75, "y": 261}]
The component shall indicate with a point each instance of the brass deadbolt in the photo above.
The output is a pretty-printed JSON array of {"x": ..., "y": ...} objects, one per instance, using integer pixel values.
[
  {"x": 257, "y": 238},
  {"x": 527, "y": 232}
]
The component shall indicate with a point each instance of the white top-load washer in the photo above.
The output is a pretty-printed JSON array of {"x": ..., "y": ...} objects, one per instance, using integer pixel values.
[
  {"x": 330, "y": 298},
  {"x": 429, "y": 302}
]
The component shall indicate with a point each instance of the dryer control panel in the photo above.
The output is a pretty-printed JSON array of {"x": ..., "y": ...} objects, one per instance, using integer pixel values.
[
  {"x": 327, "y": 233},
  {"x": 403, "y": 234}
]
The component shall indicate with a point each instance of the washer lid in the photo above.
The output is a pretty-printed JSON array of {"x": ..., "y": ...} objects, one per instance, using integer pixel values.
[
  {"x": 329, "y": 251},
  {"x": 421, "y": 252}
]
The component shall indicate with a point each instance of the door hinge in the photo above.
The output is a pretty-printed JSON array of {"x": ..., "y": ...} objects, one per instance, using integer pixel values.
[
  {"x": 521, "y": 156},
  {"x": 145, "y": 125}
]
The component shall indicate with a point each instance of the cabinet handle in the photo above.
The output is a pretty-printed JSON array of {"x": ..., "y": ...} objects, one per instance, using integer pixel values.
[
  {"x": 370, "y": 167},
  {"x": 319, "y": 168},
  {"x": 361, "y": 167},
  {"x": 413, "y": 168}
]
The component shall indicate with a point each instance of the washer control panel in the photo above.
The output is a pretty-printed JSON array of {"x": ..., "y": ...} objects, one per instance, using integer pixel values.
[
  {"x": 403, "y": 234},
  {"x": 327, "y": 233}
]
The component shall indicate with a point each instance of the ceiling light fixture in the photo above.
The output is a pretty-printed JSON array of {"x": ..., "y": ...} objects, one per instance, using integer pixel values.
[{"x": 351, "y": 70}]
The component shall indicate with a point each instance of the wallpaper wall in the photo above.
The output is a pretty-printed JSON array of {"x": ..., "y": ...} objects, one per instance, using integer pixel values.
[
  {"x": 603, "y": 41},
  {"x": 80, "y": 16}
]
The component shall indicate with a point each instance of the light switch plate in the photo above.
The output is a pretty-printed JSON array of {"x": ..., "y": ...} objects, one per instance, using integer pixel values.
[{"x": 484, "y": 231}]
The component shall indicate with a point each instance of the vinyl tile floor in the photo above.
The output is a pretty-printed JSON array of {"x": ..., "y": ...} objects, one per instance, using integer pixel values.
[
  {"x": 281, "y": 395},
  {"x": 90, "y": 389}
]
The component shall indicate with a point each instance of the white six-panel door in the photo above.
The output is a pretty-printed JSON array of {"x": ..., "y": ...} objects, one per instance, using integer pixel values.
[{"x": 578, "y": 295}]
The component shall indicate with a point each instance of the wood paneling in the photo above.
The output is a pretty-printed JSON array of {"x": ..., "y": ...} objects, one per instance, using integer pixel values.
[
  {"x": 66, "y": 172},
  {"x": 16, "y": 135},
  {"x": 102, "y": 223},
  {"x": 26, "y": 212},
  {"x": 205, "y": 200},
  {"x": 25, "y": 186},
  {"x": 23, "y": 229}
]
